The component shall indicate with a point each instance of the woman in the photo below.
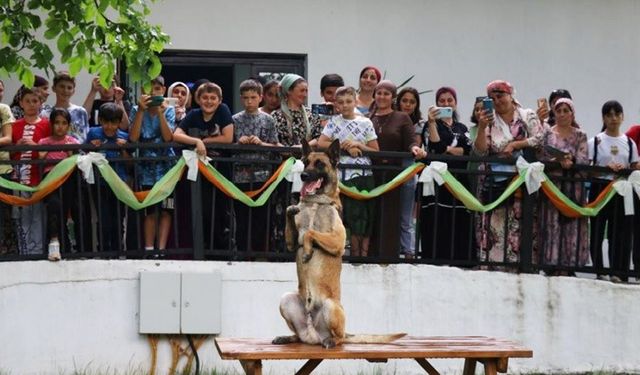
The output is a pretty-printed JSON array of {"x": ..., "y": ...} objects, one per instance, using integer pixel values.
[
  {"x": 505, "y": 132},
  {"x": 270, "y": 100},
  {"x": 294, "y": 122},
  {"x": 445, "y": 222},
  {"x": 180, "y": 91},
  {"x": 408, "y": 101},
  {"x": 395, "y": 132},
  {"x": 369, "y": 78},
  {"x": 564, "y": 240}
]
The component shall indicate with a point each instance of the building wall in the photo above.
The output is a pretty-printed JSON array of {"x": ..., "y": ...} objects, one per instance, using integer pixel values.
[
  {"x": 83, "y": 315},
  {"x": 590, "y": 47}
]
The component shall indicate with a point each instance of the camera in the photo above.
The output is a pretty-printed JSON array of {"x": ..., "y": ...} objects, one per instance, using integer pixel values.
[
  {"x": 156, "y": 100},
  {"x": 322, "y": 109},
  {"x": 444, "y": 112}
]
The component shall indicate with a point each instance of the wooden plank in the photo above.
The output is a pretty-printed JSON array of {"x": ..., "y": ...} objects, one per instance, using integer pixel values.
[
  {"x": 471, "y": 347},
  {"x": 252, "y": 367},
  {"x": 469, "y": 367},
  {"x": 427, "y": 366},
  {"x": 309, "y": 366}
]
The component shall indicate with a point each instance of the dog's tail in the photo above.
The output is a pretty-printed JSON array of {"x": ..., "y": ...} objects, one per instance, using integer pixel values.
[{"x": 372, "y": 339}]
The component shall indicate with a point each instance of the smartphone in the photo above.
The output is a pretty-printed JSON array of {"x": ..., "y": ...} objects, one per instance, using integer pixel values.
[
  {"x": 487, "y": 104},
  {"x": 542, "y": 103},
  {"x": 444, "y": 112},
  {"x": 156, "y": 100},
  {"x": 172, "y": 102},
  {"x": 322, "y": 109}
]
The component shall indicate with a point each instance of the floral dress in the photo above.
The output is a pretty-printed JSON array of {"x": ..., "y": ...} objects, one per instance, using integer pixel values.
[
  {"x": 564, "y": 240},
  {"x": 291, "y": 133},
  {"x": 498, "y": 231}
]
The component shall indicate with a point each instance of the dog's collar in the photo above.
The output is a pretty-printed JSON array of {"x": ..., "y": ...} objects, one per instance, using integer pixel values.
[{"x": 319, "y": 199}]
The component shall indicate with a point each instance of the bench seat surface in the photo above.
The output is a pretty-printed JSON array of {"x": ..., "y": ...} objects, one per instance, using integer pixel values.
[{"x": 408, "y": 347}]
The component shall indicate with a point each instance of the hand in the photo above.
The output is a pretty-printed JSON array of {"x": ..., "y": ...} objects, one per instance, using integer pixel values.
[
  {"x": 567, "y": 162},
  {"x": 485, "y": 119},
  {"x": 121, "y": 142},
  {"x": 95, "y": 84},
  {"x": 255, "y": 140},
  {"x": 201, "y": 150},
  {"x": 143, "y": 102},
  {"x": 615, "y": 166},
  {"x": 543, "y": 113},
  {"x": 96, "y": 142},
  {"x": 118, "y": 94},
  {"x": 244, "y": 140},
  {"x": 509, "y": 149},
  {"x": 418, "y": 152},
  {"x": 433, "y": 113},
  {"x": 354, "y": 152},
  {"x": 26, "y": 141},
  {"x": 346, "y": 145}
]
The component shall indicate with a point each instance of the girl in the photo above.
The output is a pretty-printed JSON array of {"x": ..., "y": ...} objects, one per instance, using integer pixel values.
[
  {"x": 58, "y": 203},
  {"x": 369, "y": 78},
  {"x": 180, "y": 91}
]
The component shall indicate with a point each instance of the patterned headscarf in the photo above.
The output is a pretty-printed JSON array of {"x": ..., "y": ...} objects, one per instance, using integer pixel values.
[
  {"x": 500, "y": 85},
  {"x": 286, "y": 84},
  {"x": 568, "y": 102}
]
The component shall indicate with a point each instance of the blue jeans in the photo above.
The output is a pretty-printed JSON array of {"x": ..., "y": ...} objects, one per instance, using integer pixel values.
[{"x": 407, "y": 199}]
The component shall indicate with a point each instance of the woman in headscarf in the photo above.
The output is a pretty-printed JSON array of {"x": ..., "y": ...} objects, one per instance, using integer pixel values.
[
  {"x": 395, "y": 132},
  {"x": 295, "y": 122},
  {"x": 564, "y": 240},
  {"x": 505, "y": 132},
  {"x": 180, "y": 91},
  {"x": 369, "y": 78},
  {"x": 445, "y": 222}
]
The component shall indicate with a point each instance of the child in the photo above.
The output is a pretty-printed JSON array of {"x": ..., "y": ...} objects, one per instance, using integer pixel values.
[
  {"x": 253, "y": 127},
  {"x": 356, "y": 134},
  {"x": 111, "y": 210},
  {"x": 64, "y": 86},
  {"x": 271, "y": 100},
  {"x": 27, "y": 131},
  {"x": 59, "y": 203},
  {"x": 211, "y": 123},
  {"x": 612, "y": 149},
  {"x": 154, "y": 124},
  {"x": 113, "y": 94},
  {"x": 329, "y": 83}
]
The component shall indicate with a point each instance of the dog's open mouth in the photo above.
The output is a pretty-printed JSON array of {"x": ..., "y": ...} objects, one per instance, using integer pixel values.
[{"x": 310, "y": 187}]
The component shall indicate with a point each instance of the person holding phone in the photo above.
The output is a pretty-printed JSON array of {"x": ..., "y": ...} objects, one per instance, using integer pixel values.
[
  {"x": 444, "y": 134},
  {"x": 566, "y": 144},
  {"x": 544, "y": 107},
  {"x": 506, "y": 132}
]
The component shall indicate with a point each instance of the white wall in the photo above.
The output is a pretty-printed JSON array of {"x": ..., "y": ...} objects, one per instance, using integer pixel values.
[
  {"x": 55, "y": 317},
  {"x": 590, "y": 47}
]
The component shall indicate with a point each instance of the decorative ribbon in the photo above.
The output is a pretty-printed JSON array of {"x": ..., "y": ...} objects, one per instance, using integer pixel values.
[
  {"x": 85, "y": 164},
  {"x": 432, "y": 173},
  {"x": 191, "y": 160},
  {"x": 626, "y": 189},
  {"x": 533, "y": 174},
  {"x": 294, "y": 176}
]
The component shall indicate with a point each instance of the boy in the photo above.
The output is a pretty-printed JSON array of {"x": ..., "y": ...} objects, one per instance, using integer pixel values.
[
  {"x": 154, "y": 124},
  {"x": 253, "y": 127},
  {"x": 209, "y": 124},
  {"x": 111, "y": 211},
  {"x": 113, "y": 94},
  {"x": 356, "y": 134},
  {"x": 612, "y": 149},
  {"x": 329, "y": 83},
  {"x": 64, "y": 86},
  {"x": 27, "y": 131}
]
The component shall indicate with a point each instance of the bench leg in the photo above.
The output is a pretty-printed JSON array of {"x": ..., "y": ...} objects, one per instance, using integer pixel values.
[
  {"x": 427, "y": 366},
  {"x": 253, "y": 367},
  {"x": 490, "y": 366},
  {"x": 469, "y": 366},
  {"x": 309, "y": 366}
]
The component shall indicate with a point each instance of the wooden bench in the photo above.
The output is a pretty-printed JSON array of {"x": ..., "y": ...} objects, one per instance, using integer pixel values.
[{"x": 493, "y": 353}]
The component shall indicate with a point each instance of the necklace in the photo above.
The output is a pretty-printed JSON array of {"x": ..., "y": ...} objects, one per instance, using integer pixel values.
[{"x": 381, "y": 122}]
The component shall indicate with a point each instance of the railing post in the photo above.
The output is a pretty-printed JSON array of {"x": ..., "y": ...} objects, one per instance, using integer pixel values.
[
  {"x": 526, "y": 231},
  {"x": 196, "y": 218}
]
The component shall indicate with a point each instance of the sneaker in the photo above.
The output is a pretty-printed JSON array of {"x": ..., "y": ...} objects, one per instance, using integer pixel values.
[
  {"x": 54, "y": 251},
  {"x": 615, "y": 279}
]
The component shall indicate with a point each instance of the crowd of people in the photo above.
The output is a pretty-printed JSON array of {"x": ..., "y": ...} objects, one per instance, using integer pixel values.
[{"x": 374, "y": 116}]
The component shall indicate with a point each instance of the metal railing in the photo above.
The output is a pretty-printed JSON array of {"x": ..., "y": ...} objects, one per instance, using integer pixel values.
[{"x": 207, "y": 224}]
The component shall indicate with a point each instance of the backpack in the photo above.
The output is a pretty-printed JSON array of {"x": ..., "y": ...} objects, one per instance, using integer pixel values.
[{"x": 596, "y": 141}]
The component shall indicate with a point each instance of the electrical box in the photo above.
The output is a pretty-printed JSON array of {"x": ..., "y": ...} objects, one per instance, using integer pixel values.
[{"x": 180, "y": 303}]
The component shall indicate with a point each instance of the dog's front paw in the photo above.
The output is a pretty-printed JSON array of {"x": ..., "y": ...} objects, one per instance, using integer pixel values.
[
  {"x": 306, "y": 257},
  {"x": 292, "y": 211},
  {"x": 328, "y": 343}
]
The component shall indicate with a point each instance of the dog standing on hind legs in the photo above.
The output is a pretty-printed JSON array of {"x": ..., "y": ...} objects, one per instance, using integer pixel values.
[{"x": 315, "y": 231}]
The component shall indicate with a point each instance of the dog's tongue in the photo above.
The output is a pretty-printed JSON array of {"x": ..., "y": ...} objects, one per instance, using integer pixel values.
[{"x": 309, "y": 188}]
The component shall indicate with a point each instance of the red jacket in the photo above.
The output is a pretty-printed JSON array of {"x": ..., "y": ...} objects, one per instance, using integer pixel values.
[{"x": 29, "y": 174}]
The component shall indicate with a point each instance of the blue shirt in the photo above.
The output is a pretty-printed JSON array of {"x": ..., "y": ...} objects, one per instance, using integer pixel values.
[
  {"x": 149, "y": 172},
  {"x": 98, "y": 133}
]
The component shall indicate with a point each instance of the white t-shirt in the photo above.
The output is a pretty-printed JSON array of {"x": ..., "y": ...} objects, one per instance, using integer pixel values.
[
  {"x": 359, "y": 129},
  {"x": 612, "y": 150}
]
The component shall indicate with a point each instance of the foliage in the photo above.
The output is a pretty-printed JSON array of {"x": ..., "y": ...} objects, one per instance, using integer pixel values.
[{"x": 89, "y": 34}]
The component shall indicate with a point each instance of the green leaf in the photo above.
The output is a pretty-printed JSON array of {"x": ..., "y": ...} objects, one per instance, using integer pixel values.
[
  {"x": 33, "y": 4},
  {"x": 26, "y": 76},
  {"x": 406, "y": 81},
  {"x": 156, "y": 67},
  {"x": 75, "y": 65},
  {"x": 64, "y": 40},
  {"x": 51, "y": 33}
]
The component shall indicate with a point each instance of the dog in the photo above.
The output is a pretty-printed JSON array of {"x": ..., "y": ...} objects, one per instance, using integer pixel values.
[{"x": 315, "y": 231}]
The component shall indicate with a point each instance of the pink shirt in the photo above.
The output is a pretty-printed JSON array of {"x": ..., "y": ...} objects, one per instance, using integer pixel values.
[{"x": 57, "y": 155}]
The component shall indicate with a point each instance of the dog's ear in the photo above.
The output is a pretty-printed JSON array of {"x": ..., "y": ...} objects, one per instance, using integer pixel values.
[
  {"x": 306, "y": 149},
  {"x": 334, "y": 152}
]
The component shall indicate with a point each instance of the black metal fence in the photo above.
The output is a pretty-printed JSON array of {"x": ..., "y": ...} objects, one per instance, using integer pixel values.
[{"x": 525, "y": 234}]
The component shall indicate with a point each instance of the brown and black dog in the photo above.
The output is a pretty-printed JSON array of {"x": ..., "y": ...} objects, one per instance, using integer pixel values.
[{"x": 315, "y": 231}]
